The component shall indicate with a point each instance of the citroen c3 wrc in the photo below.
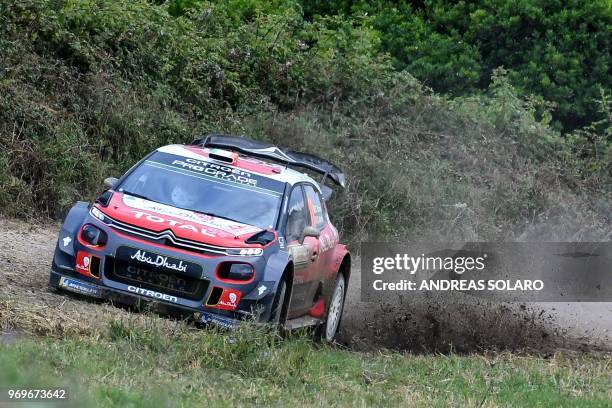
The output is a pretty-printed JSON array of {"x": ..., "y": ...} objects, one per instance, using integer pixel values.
[{"x": 226, "y": 229}]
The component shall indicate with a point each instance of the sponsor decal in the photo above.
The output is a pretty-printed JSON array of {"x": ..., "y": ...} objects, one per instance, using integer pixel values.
[
  {"x": 208, "y": 318},
  {"x": 223, "y": 172},
  {"x": 327, "y": 241},
  {"x": 158, "y": 260},
  {"x": 83, "y": 263},
  {"x": 300, "y": 254},
  {"x": 78, "y": 286},
  {"x": 152, "y": 294},
  {"x": 261, "y": 289},
  {"x": 144, "y": 208},
  {"x": 162, "y": 280},
  {"x": 229, "y": 299},
  {"x": 67, "y": 241},
  {"x": 173, "y": 223},
  {"x": 195, "y": 164}
]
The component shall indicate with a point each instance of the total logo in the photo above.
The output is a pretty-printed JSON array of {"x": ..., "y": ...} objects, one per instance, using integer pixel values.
[
  {"x": 229, "y": 299},
  {"x": 172, "y": 223}
]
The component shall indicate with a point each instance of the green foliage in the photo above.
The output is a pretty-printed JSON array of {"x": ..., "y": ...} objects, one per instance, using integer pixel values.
[
  {"x": 240, "y": 10},
  {"x": 555, "y": 49},
  {"x": 89, "y": 87}
]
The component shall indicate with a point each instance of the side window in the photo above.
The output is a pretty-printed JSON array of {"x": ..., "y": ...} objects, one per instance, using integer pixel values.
[
  {"x": 296, "y": 218},
  {"x": 316, "y": 209}
]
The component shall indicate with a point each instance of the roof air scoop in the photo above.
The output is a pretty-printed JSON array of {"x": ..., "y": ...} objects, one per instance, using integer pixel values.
[{"x": 223, "y": 155}]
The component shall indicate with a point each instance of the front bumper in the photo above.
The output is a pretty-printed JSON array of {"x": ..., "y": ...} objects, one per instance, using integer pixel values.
[
  {"x": 253, "y": 301},
  {"x": 73, "y": 282}
]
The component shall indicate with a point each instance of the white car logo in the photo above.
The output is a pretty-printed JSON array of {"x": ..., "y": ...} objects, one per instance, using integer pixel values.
[
  {"x": 232, "y": 297},
  {"x": 261, "y": 289},
  {"x": 67, "y": 240}
]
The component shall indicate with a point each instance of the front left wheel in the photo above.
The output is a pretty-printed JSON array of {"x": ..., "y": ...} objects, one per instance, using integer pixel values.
[{"x": 279, "y": 309}]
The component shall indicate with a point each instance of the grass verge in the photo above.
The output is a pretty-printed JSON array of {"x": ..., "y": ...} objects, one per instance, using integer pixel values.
[{"x": 136, "y": 362}]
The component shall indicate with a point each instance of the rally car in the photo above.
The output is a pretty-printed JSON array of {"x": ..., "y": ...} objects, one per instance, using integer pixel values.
[{"x": 225, "y": 229}]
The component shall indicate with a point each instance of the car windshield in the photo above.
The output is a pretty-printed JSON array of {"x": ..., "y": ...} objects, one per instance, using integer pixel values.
[{"x": 206, "y": 187}]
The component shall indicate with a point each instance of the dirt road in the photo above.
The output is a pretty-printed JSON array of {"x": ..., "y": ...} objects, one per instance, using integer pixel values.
[{"x": 453, "y": 322}]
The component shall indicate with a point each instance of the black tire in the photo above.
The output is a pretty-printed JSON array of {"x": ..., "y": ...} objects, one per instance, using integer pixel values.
[
  {"x": 278, "y": 314},
  {"x": 328, "y": 330}
]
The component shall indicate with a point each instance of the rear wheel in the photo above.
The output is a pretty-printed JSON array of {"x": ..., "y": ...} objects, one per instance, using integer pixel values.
[{"x": 334, "y": 312}]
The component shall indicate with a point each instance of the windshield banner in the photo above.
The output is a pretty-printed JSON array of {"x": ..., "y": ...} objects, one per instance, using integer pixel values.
[{"x": 215, "y": 171}]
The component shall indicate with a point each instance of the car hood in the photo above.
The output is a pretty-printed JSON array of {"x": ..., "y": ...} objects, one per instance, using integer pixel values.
[{"x": 184, "y": 224}]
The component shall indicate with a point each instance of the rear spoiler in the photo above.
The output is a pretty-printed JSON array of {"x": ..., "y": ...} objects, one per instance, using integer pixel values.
[{"x": 278, "y": 154}]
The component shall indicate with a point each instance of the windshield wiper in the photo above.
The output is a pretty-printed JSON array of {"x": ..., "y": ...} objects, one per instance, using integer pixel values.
[{"x": 137, "y": 195}]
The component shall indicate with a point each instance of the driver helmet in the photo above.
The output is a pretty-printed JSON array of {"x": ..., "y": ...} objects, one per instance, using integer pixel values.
[{"x": 182, "y": 197}]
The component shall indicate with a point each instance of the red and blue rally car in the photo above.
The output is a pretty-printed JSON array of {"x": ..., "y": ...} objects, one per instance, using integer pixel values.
[{"x": 224, "y": 229}]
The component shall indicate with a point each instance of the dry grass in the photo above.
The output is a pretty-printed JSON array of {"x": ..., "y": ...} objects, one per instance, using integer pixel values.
[{"x": 26, "y": 302}]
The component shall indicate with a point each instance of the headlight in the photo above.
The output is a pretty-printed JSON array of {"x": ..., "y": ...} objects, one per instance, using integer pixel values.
[
  {"x": 93, "y": 235},
  {"x": 245, "y": 251},
  {"x": 236, "y": 271},
  {"x": 99, "y": 215}
]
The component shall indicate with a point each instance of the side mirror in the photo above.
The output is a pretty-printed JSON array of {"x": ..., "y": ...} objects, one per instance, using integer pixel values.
[
  {"x": 110, "y": 182},
  {"x": 310, "y": 231}
]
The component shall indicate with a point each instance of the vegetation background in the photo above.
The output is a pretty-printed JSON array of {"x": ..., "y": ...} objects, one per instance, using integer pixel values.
[
  {"x": 454, "y": 120},
  {"x": 469, "y": 120}
]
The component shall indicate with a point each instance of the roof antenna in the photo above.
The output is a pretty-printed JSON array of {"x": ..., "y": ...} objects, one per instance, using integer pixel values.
[{"x": 324, "y": 176}]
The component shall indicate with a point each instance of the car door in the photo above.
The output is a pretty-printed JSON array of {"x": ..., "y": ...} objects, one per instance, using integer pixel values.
[
  {"x": 327, "y": 237},
  {"x": 304, "y": 252}
]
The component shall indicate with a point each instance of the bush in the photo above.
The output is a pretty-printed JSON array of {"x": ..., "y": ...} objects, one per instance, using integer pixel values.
[
  {"x": 555, "y": 49},
  {"x": 90, "y": 87}
]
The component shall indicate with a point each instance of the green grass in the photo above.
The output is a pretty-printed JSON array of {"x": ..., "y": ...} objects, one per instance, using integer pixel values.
[{"x": 142, "y": 365}]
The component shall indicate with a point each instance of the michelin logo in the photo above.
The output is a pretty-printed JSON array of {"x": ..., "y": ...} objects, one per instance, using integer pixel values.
[
  {"x": 152, "y": 294},
  {"x": 78, "y": 286},
  {"x": 218, "y": 321}
]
